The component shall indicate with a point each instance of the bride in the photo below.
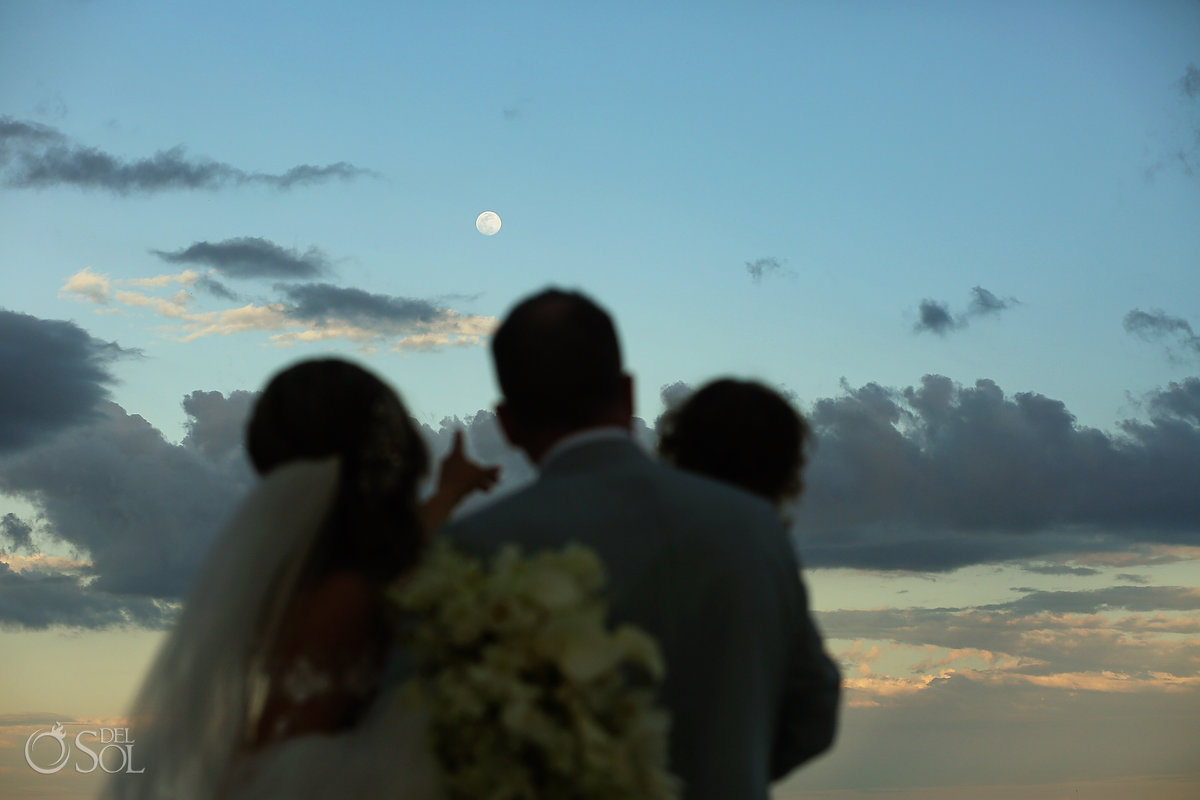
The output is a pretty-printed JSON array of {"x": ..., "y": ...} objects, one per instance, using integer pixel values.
[{"x": 275, "y": 680}]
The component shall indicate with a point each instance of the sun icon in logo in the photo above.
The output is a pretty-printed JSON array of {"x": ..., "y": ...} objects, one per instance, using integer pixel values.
[{"x": 57, "y": 733}]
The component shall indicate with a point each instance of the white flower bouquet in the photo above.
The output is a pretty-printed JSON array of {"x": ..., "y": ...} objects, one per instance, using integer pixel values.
[{"x": 531, "y": 695}]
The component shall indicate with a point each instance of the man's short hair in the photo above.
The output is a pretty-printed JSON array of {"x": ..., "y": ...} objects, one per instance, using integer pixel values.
[{"x": 558, "y": 361}]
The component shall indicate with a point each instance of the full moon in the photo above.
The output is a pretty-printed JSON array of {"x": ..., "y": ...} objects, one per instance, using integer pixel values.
[{"x": 488, "y": 223}]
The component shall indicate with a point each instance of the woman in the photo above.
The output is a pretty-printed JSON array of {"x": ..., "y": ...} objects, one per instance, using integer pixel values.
[
  {"x": 739, "y": 432},
  {"x": 271, "y": 683}
]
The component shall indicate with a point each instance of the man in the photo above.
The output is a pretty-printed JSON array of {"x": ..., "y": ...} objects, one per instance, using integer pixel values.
[{"x": 703, "y": 567}]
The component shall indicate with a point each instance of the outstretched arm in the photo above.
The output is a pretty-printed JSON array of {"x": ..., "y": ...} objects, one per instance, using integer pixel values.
[{"x": 458, "y": 476}]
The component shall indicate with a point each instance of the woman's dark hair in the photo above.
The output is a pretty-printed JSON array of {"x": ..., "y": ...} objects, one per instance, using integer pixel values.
[
  {"x": 329, "y": 407},
  {"x": 739, "y": 432}
]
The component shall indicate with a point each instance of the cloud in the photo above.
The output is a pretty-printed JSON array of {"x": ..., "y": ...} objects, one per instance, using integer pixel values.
[
  {"x": 1132, "y": 598},
  {"x": 1186, "y": 155},
  {"x": 17, "y": 533},
  {"x": 941, "y": 475},
  {"x": 38, "y": 601},
  {"x": 1189, "y": 84},
  {"x": 936, "y": 316},
  {"x": 516, "y": 110},
  {"x": 305, "y": 312},
  {"x": 141, "y": 512},
  {"x": 320, "y": 301},
  {"x": 216, "y": 423},
  {"x": 217, "y": 289},
  {"x": 250, "y": 257},
  {"x": 763, "y": 267},
  {"x": 96, "y": 288},
  {"x": 141, "y": 508},
  {"x": 1174, "y": 333},
  {"x": 1060, "y": 569},
  {"x": 1043, "y": 634},
  {"x": 984, "y": 302},
  {"x": 672, "y": 395},
  {"x": 35, "y": 156},
  {"x": 55, "y": 376}
]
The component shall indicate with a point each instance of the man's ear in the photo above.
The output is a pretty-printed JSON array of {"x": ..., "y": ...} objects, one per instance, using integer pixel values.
[
  {"x": 627, "y": 395},
  {"x": 507, "y": 424}
]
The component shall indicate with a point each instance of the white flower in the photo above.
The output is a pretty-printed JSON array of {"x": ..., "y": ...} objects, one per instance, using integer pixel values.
[{"x": 528, "y": 689}]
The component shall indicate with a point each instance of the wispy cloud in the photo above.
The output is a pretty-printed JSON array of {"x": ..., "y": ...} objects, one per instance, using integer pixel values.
[
  {"x": 250, "y": 257},
  {"x": 935, "y": 316},
  {"x": 36, "y": 156},
  {"x": 1184, "y": 156},
  {"x": 1044, "y": 639},
  {"x": 1175, "y": 334},
  {"x": 1059, "y": 569},
  {"x": 300, "y": 312},
  {"x": 764, "y": 267}
]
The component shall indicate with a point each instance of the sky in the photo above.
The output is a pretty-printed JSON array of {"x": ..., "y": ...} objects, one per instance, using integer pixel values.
[{"x": 964, "y": 239}]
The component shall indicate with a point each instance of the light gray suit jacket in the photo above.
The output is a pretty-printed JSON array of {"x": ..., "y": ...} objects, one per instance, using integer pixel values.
[{"x": 708, "y": 571}]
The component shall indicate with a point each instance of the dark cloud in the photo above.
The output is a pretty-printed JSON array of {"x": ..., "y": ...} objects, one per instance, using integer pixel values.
[
  {"x": 55, "y": 375},
  {"x": 672, "y": 395},
  {"x": 216, "y": 289},
  {"x": 316, "y": 302},
  {"x": 34, "y": 156},
  {"x": 1130, "y": 577},
  {"x": 250, "y": 257},
  {"x": 17, "y": 533},
  {"x": 14, "y": 133},
  {"x": 142, "y": 509},
  {"x": 763, "y": 267},
  {"x": 935, "y": 317},
  {"x": 216, "y": 423},
  {"x": 984, "y": 302},
  {"x": 1178, "y": 401},
  {"x": 1174, "y": 333},
  {"x": 940, "y": 476},
  {"x": 34, "y": 600}
]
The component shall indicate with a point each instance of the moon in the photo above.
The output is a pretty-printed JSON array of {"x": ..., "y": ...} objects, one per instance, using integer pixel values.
[{"x": 488, "y": 223}]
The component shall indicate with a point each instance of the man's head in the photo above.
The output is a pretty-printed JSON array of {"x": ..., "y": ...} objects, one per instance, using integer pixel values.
[{"x": 558, "y": 363}]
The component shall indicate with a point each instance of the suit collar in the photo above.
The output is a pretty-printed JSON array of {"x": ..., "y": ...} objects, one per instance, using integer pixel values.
[
  {"x": 592, "y": 453},
  {"x": 582, "y": 438}
]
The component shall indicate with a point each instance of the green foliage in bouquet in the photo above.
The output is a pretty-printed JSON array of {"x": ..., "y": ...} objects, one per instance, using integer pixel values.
[{"x": 531, "y": 696}]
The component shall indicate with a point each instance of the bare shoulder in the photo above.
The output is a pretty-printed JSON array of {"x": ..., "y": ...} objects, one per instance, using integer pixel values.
[{"x": 338, "y": 610}]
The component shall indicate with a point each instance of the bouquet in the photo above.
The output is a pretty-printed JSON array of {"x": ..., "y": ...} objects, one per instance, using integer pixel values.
[{"x": 531, "y": 695}]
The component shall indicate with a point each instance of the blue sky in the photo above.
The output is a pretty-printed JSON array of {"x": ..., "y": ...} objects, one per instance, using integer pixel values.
[{"x": 836, "y": 199}]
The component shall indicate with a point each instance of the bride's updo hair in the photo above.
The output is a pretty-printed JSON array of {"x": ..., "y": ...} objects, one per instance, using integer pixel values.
[{"x": 329, "y": 407}]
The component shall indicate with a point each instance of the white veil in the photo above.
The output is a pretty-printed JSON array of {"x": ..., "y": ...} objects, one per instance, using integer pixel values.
[{"x": 190, "y": 717}]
